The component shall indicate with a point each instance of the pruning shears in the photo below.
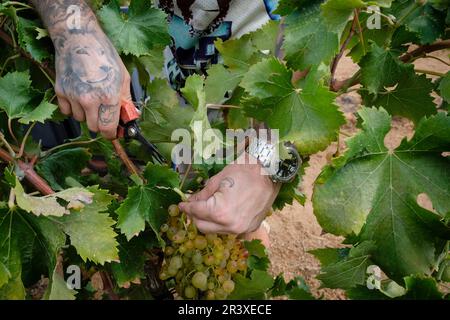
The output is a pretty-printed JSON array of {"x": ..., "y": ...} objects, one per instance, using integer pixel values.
[{"x": 129, "y": 129}]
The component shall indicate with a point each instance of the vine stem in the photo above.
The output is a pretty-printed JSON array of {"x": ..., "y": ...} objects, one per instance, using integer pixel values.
[
  {"x": 73, "y": 143},
  {"x": 132, "y": 169},
  {"x": 17, "y": 3},
  {"x": 341, "y": 52},
  {"x": 38, "y": 182},
  {"x": 438, "y": 59},
  {"x": 360, "y": 31},
  {"x": 430, "y": 72},
  {"x": 7, "y": 61},
  {"x": 12, "y": 199},
  {"x": 24, "y": 140},
  {"x": 7, "y": 145},
  {"x": 440, "y": 45},
  {"x": 11, "y": 132},
  {"x": 188, "y": 170}
]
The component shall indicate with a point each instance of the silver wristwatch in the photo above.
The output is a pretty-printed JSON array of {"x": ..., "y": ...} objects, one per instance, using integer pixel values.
[{"x": 268, "y": 156}]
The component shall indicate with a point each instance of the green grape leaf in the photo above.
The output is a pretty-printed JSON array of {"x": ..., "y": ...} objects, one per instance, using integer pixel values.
[
  {"x": 132, "y": 259},
  {"x": 425, "y": 21},
  {"x": 338, "y": 12},
  {"x": 42, "y": 112},
  {"x": 16, "y": 94},
  {"x": 296, "y": 289},
  {"x": 74, "y": 198},
  {"x": 287, "y": 6},
  {"x": 258, "y": 258},
  {"x": 410, "y": 98},
  {"x": 307, "y": 116},
  {"x": 255, "y": 248},
  {"x": 381, "y": 68},
  {"x": 239, "y": 54},
  {"x": 363, "y": 293},
  {"x": 444, "y": 87},
  {"x": 349, "y": 272},
  {"x": 21, "y": 236},
  {"x": 422, "y": 288},
  {"x": 28, "y": 32},
  {"x": 307, "y": 40},
  {"x": 164, "y": 114},
  {"x": 372, "y": 192},
  {"x": 329, "y": 256},
  {"x": 254, "y": 287},
  {"x": 195, "y": 94},
  {"x": 5, "y": 275},
  {"x": 90, "y": 229},
  {"x": 137, "y": 32},
  {"x": 290, "y": 192},
  {"x": 58, "y": 289},
  {"x": 56, "y": 167},
  {"x": 220, "y": 84},
  {"x": 149, "y": 202}
]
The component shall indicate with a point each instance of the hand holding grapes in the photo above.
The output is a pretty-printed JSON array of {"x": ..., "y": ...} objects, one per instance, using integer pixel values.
[{"x": 234, "y": 201}]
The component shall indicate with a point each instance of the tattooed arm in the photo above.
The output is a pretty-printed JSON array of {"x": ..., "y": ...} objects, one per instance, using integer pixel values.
[{"x": 91, "y": 80}]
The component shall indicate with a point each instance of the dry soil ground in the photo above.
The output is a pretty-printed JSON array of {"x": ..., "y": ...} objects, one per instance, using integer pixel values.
[{"x": 295, "y": 231}]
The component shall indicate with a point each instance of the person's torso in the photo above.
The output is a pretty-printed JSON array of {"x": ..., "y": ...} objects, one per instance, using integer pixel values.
[{"x": 194, "y": 25}]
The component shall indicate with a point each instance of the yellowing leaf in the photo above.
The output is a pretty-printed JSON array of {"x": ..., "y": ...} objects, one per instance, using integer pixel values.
[{"x": 75, "y": 198}]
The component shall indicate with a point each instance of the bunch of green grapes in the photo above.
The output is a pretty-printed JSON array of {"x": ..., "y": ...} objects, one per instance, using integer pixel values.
[{"x": 202, "y": 265}]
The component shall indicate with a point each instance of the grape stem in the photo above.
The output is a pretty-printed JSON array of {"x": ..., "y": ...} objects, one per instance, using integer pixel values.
[
  {"x": 24, "y": 141},
  {"x": 341, "y": 52},
  {"x": 183, "y": 196}
]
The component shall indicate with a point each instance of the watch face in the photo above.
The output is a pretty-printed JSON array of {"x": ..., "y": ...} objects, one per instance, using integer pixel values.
[{"x": 288, "y": 168}]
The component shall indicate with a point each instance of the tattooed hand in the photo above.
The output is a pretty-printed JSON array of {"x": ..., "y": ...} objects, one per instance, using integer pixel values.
[
  {"x": 234, "y": 201},
  {"x": 91, "y": 79}
]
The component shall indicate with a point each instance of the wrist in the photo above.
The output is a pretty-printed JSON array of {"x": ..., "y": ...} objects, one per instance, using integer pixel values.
[{"x": 280, "y": 169}]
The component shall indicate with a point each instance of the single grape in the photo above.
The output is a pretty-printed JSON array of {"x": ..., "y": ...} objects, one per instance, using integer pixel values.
[
  {"x": 228, "y": 286},
  {"x": 211, "y": 285},
  {"x": 200, "y": 242},
  {"x": 211, "y": 237},
  {"x": 176, "y": 262},
  {"x": 171, "y": 271},
  {"x": 220, "y": 294},
  {"x": 199, "y": 280},
  {"x": 197, "y": 257},
  {"x": 232, "y": 237},
  {"x": 232, "y": 266},
  {"x": 164, "y": 228},
  {"x": 210, "y": 295},
  {"x": 242, "y": 264},
  {"x": 189, "y": 244},
  {"x": 182, "y": 249},
  {"x": 174, "y": 211},
  {"x": 171, "y": 233},
  {"x": 200, "y": 267},
  {"x": 163, "y": 275},
  {"x": 179, "y": 237},
  {"x": 169, "y": 251},
  {"x": 218, "y": 254},
  {"x": 190, "y": 292},
  {"x": 208, "y": 260}
]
